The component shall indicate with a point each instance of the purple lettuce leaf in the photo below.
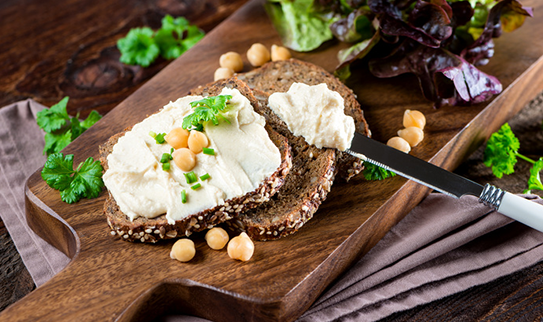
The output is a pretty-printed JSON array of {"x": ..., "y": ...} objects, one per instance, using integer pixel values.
[
  {"x": 511, "y": 11},
  {"x": 428, "y": 22},
  {"x": 445, "y": 78}
]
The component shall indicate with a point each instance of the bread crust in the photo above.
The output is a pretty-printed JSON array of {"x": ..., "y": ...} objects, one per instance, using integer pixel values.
[{"x": 152, "y": 230}]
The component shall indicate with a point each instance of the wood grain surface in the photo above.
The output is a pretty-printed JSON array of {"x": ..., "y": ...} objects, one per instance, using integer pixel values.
[{"x": 112, "y": 280}]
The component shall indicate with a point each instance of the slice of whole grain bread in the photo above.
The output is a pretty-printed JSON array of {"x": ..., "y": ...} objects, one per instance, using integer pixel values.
[
  {"x": 278, "y": 76},
  {"x": 152, "y": 230},
  {"x": 306, "y": 186}
]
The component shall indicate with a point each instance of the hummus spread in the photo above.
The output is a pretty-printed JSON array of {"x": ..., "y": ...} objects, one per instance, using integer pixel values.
[
  {"x": 315, "y": 113},
  {"x": 244, "y": 157}
]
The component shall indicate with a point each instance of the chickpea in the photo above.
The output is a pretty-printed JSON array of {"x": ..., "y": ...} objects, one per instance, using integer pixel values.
[
  {"x": 177, "y": 138},
  {"x": 216, "y": 238},
  {"x": 231, "y": 60},
  {"x": 184, "y": 158},
  {"x": 279, "y": 53},
  {"x": 183, "y": 250},
  {"x": 258, "y": 55},
  {"x": 414, "y": 118},
  {"x": 412, "y": 134},
  {"x": 223, "y": 73},
  {"x": 197, "y": 141},
  {"x": 241, "y": 247},
  {"x": 399, "y": 143}
]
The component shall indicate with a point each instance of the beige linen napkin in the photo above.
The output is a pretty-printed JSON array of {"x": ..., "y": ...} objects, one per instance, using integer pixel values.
[{"x": 443, "y": 246}]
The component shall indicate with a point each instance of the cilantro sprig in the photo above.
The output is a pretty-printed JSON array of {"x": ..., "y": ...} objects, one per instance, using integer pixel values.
[
  {"x": 501, "y": 154},
  {"x": 142, "y": 46},
  {"x": 84, "y": 182},
  {"x": 373, "y": 172},
  {"x": 61, "y": 129},
  {"x": 205, "y": 110}
]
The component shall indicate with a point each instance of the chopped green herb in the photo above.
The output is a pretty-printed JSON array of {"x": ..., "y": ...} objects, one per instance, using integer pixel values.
[
  {"x": 166, "y": 166},
  {"x": 85, "y": 181},
  {"x": 152, "y": 134},
  {"x": 191, "y": 177},
  {"x": 183, "y": 196},
  {"x": 205, "y": 177},
  {"x": 196, "y": 186},
  {"x": 166, "y": 157},
  {"x": 208, "y": 151},
  {"x": 159, "y": 138},
  {"x": 205, "y": 110}
]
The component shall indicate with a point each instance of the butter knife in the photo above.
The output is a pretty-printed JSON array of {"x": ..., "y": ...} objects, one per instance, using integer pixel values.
[{"x": 410, "y": 167}]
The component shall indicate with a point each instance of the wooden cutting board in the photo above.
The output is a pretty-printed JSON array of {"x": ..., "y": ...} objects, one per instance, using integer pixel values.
[{"x": 112, "y": 280}]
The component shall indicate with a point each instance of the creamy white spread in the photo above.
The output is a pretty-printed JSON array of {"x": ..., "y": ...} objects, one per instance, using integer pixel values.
[
  {"x": 315, "y": 113},
  {"x": 244, "y": 157}
]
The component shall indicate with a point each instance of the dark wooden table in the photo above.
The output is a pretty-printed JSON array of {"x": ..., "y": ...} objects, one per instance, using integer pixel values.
[{"x": 50, "y": 49}]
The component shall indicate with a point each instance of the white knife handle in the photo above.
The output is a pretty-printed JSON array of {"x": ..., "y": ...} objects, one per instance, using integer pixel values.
[{"x": 520, "y": 209}]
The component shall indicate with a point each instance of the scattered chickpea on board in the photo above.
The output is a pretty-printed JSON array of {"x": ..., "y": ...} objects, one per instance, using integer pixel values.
[
  {"x": 183, "y": 250},
  {"x": 216, "y": 238},
  {"x": 412, "y": 133},
  {"x": 241, "y": 248},
  {"x": 257, "y": 55}
]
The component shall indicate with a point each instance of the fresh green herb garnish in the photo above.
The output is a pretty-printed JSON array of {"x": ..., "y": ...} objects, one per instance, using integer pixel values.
[
  {"x": 176, "y": 36},
  {"x": 207, "y": 109},
  {"x": 159, "y": 138},
  {"x": 183, "y": 196},
  {"x": 205, "y": 177},
  {"x": 85, "y": 181},
  {"x": 373, "y": 172},
  {"x": 196, "y": 186},
  {"x": 60, "y": 129},
  {"x": 501, "y": 154},
  {"x": 190, "y": 177},
  {"x": 165, "y": 160},
  {"x": 142, "y": 46},
  {"x": 208, "y": 151},
  {"x": 138, "y": 47},
  {"x": 166, "y": 157}
]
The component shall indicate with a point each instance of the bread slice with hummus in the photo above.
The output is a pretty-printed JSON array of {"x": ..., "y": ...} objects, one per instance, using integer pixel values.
[
  {"x": 250, "y": 164},
  {"x": 279, "y": 76}
]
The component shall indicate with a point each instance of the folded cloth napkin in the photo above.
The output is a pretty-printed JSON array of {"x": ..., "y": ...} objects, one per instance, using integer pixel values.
[
  {"x": 441, "y": 247},
  {"x": 21, "y": 154}
]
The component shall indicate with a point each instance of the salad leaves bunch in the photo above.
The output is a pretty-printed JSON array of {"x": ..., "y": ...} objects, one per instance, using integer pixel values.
[
  {"x": 440, "y": 41},
  {"x": 142, "y": 46},
  {"x": 501, "y": 154}
]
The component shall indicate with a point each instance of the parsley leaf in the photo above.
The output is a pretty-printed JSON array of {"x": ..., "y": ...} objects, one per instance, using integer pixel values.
[
  {"x": 59, "y": 128},
  {"x": 85, "y": 181},
  {"x": 53, "y": 118},
  {"x": 138, "y": 47},
  {"x": 205, "y": 110},
  {"x": 534, "y": 181},
  {"x": 176, "y": 36},
  {"x": 373, "y": 172},
  {"x": 501, "y": 151},
  {"x": 142, "y": 46}
]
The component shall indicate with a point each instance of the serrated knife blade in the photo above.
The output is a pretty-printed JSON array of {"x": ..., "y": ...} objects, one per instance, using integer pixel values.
[{"x": 410, "y": 167}]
